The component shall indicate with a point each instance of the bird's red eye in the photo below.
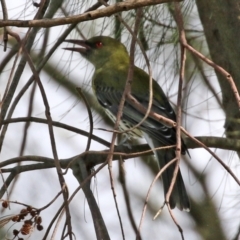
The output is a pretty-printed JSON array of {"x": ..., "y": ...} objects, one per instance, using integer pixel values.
[{"x": 99, "y": 44}]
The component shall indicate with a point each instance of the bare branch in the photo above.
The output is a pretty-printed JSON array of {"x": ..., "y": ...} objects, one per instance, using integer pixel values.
[{"x": 105, "y": 12}]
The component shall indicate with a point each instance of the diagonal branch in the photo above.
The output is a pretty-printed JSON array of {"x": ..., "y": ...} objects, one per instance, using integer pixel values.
[{"x": 105, "y": 12}]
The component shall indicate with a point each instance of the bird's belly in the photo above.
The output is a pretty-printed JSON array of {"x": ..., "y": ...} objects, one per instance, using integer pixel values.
[{"x": 125, "y": 125}]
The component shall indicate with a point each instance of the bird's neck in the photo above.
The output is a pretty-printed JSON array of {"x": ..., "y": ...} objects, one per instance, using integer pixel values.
[{"x": 115, "y": 60}]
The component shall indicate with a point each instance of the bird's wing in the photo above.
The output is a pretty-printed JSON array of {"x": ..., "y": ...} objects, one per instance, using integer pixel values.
[{"x": 110, "y": 98}]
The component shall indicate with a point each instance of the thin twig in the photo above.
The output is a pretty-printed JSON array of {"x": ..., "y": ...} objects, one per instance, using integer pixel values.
[
  {"x": 219, "y": 69},
  {"x": 122, "y": 179},
  {"x": 179, "y": 20},
  {"x": 148, "y": 194},
  {"x": 127, "y": 90},
  {"x": 90, "y": 118}
]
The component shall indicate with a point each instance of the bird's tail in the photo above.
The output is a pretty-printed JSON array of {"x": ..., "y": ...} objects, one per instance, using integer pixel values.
[{"x": 179, "y": 195}]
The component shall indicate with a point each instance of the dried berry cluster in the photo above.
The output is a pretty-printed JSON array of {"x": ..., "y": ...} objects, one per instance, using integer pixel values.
[{"x": 34, "y": 220}]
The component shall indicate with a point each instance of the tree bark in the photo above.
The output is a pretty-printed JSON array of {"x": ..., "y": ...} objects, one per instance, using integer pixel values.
[{"x": 220, "y": 20}]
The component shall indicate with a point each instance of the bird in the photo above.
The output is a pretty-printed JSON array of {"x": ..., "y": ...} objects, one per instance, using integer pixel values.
[{"x": 111, "y": 61}]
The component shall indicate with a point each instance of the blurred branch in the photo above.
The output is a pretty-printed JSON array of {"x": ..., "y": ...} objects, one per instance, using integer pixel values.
[
  {"x": 203, "y": 210},
  {"x": 54, "y": 5},
  {"x": 5, "y": 17},
  {"x": 211, "y": 142},
  {"x": 60, "y": 125},
  {"x": 81, "y": 173}
]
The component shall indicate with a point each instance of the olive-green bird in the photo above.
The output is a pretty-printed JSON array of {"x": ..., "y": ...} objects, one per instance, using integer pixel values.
[{"x": 111, "y": 61}]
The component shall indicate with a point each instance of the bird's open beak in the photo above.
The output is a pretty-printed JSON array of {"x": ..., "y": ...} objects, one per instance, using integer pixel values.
[{"x": 84, "y": 46}]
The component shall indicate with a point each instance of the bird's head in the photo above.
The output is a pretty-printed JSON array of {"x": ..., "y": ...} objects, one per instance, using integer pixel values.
[{"x": 99, "y": 50}]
